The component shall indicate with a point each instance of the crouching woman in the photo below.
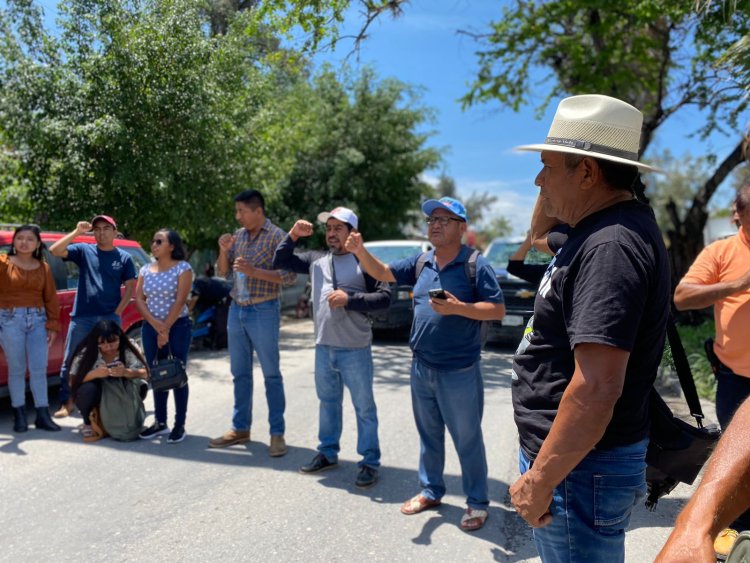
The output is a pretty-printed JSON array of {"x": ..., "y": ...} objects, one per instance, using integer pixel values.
[{"x": 106, "y": 381}]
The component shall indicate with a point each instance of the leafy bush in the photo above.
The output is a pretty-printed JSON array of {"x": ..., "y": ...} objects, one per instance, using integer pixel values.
[{"x": 692, "y": 340}]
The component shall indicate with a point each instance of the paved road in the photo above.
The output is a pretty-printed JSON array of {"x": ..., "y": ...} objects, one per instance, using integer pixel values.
[{"x": 64, "y": 500}]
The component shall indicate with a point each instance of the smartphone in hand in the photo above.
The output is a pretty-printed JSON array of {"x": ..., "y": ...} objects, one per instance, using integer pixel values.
[{"x": 437, "y": 294}]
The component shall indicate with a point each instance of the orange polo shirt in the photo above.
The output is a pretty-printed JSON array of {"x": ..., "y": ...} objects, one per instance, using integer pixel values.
[
  {"x": 727, "y": 260},
  {"x": 29, "y": 288}
]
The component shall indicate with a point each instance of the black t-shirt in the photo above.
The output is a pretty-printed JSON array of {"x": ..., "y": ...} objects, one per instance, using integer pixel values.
[{"x": 608, "y": 284}]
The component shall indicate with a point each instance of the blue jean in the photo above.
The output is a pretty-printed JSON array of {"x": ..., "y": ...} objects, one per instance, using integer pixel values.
[
  {"x": 334, "y": 368},
  {"x": 591, "y": 507},
  {"x": 23, "y": 337},
  {"x": 78, "y": 330},
  {"x": 256, "y": 328},
  {"x": 452, "y": 399},
  {"x": 180, "y": 335},
  {"x": 731, "y": 391}
]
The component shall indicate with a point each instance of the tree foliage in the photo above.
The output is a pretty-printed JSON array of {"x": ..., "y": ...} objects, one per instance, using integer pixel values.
[
  {"x": 658, "y": 55},
  {"x": 355, "y": 141}
]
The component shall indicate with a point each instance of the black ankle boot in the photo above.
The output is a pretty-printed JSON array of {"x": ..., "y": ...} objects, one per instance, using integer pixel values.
[
  {"x": 19, "y": 419},
  {"x": 44, "y": 421}
]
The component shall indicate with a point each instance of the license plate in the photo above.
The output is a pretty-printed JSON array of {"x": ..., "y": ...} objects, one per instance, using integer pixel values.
[{"x": 512, "y": 320}]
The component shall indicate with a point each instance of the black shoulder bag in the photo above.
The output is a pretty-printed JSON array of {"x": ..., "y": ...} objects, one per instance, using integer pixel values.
[
  {"x": 677, "y": 450},
  {"x": 168, "y": 373}
]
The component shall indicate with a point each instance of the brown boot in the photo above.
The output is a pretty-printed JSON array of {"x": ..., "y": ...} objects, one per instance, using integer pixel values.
[
  {"x": 278, "y": 446},
  {"x": 230, "y": 438}
]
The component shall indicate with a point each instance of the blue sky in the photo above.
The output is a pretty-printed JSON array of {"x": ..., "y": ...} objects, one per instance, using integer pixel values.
[{"x": 423, "y": 48}]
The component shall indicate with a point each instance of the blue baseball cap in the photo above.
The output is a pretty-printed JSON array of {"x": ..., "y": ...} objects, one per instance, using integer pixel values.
[{"x": 452, "y": 205}]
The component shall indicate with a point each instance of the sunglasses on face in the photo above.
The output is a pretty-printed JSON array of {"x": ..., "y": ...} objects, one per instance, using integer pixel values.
[
  {"x": 157, "y": 241},
  {"x": 442, "y": 221}
]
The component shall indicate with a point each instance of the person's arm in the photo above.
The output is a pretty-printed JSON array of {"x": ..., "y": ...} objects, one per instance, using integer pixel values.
[
  {"x": 51, "y": 305},
  {"x": 583, "y": 415},
  {"x": 723, "y": 494},
  {"x": 285, "y": 257},
  {"x": 371, "y": 265},
  {"x": 184, "y": 283},
  {"x": 377, "y": 295},
  {"x": 523, "y": 250},
  {"x": 479, "y": 311},
  {"x": 60, "y": 247},
  {"x": 689, "y": 295},
  {"x": 142, "y": 306},
  {"x": 126, "y": 295},
  {"x": 223, "y": 267}
]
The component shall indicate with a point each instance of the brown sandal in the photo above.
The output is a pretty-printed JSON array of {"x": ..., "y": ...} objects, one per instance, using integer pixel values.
[
  {"x": 473, "y": 519},
  {"x": 418, "y": 504}
]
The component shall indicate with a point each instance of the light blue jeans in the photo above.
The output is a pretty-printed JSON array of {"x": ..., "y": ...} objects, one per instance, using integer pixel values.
[
  {"x": 591, "y": 507},
  {"x": 452, "y": 399},
  {"x": 334, "y": 368},
  {"x": 256, "y": 328},
  {"x": 78, "y": 330},
  {"x": 23, "y": 337}
]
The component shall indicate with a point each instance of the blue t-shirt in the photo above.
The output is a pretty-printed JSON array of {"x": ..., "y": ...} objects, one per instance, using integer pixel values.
[
  {"x": 102, "y": 273},
  {"x": 447, "y": 342}
]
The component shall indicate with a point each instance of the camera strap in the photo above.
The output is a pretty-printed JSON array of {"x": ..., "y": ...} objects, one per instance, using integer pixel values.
[{"x": 684, "y": 374}]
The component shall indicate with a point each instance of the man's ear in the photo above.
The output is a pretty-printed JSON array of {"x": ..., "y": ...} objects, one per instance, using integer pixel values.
[{"x": 588, "y": 173}]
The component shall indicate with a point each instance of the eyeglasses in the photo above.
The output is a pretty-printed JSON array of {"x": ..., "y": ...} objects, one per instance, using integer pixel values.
[
  {"x": 157, "y": 242},
  {"x": 442, "y": 221},
  {"x": 102, "y": 229}
]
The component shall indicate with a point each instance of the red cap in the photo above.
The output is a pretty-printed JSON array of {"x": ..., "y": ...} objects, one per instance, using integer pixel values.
[{"x": 106, "y": 218}]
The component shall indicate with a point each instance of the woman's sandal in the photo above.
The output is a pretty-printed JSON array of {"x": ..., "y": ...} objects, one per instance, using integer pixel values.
[
  {"x": 417, "y": 504},
  {"x": 473, "y": 519}
]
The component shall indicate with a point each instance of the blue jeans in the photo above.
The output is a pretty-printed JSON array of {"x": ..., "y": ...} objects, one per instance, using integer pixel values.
[
  {"x": 256, "y": 328},
  {"x": 24, "y": 340},
  {"x": 452, "y": 399},
  {"x": 78, "y": 330},
  {"x": 591, "y": 507},
  {"x": 334, "y": 368},
  {"x": 180, "y": 335}
]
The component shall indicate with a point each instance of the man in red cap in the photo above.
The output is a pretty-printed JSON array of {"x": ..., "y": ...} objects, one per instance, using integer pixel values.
[{"x": 103, "y": 270}]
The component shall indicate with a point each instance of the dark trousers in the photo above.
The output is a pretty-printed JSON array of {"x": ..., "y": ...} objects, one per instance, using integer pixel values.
[
  {"x": 180, "y": 335},
  {"x": 88, "y": 396},
  {"x": 731, "y": 391}
]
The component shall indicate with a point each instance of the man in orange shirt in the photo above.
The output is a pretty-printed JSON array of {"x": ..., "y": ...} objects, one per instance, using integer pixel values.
[{"x": 720, "y": 276}]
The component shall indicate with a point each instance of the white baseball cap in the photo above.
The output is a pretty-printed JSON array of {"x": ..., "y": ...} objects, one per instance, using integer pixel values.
[{"x": 342, "y": 214}]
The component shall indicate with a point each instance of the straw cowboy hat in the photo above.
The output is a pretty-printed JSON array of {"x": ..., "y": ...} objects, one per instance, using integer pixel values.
[{"x": 596, "y": 126}]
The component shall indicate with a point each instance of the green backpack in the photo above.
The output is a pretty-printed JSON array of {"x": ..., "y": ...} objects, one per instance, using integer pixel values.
[{"x": 121, "y": 409}]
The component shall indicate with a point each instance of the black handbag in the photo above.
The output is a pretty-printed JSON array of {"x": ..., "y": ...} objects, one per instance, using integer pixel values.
[
  {"x": 677, "y": 450},
  {"x": 168, "y": 373}
]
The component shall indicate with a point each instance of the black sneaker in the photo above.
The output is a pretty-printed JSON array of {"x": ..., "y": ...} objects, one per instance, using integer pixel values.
[
  {"x": 319, "y": 463},
  {"x": 156, "y": 429},
  {"x": 366, "y": 477},
  {"x": 177, "y": 435}
]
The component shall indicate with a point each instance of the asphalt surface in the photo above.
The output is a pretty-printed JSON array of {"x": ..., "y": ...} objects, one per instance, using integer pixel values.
[{"x": 63, "y": 500}]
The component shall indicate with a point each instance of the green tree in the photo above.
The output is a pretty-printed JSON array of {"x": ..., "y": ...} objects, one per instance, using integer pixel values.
[
  {"x": 658, "y": 55},
  {"x": 356, "y": 142}
]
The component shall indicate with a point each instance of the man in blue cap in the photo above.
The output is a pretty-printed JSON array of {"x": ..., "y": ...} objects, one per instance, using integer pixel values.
[{"x": 454, "y": 290}]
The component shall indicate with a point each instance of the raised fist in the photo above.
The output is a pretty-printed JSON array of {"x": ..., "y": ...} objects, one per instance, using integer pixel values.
[
  {"x": 84, "y": 227},
  {"x": 225, "y": 242},
  {"x": 354, "y": 243},
  {"x": 301, "y": 228}
]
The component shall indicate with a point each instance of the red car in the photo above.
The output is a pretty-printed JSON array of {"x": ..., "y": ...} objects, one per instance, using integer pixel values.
[{"x": 66, "y": 280}]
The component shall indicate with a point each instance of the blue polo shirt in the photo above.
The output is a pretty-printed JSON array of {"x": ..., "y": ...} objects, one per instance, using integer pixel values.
[
  {"x": 102, "y": 272},
  {"x": 446, "y": 342}
]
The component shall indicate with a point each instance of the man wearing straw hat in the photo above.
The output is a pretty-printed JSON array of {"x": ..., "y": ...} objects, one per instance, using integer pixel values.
[{"x": 582, "y": 377}]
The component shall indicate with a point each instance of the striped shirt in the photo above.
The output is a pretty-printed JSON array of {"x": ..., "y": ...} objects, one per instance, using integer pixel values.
[{"x": 259, "y": 251}]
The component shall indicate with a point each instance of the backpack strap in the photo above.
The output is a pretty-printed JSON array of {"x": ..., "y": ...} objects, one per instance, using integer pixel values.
[
  {"x": 421, "y": 261},
  {"x": 470, "y": 267}
]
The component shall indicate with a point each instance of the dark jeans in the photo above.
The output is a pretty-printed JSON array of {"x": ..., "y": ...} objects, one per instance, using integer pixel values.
[
  {"x": 88, "y": 396},
  {"x": 179, "y": 343},
  {"x": 731, "y": 391}
]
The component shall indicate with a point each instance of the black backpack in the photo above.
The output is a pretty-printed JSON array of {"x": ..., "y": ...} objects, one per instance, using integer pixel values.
[{"x": 470, "y": 269}]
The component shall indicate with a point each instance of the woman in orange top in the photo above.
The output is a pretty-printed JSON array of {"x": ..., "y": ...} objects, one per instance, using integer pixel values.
[{"x": 29, "y": 323}]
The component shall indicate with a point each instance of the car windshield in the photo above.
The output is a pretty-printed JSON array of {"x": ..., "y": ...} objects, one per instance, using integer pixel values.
[
  {"x": 389, "y": 253},
  {"x": 499, "y": 253}
]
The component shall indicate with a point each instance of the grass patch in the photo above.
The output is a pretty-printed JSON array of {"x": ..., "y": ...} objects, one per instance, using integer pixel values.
[{"x": 693, "y": 338}]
